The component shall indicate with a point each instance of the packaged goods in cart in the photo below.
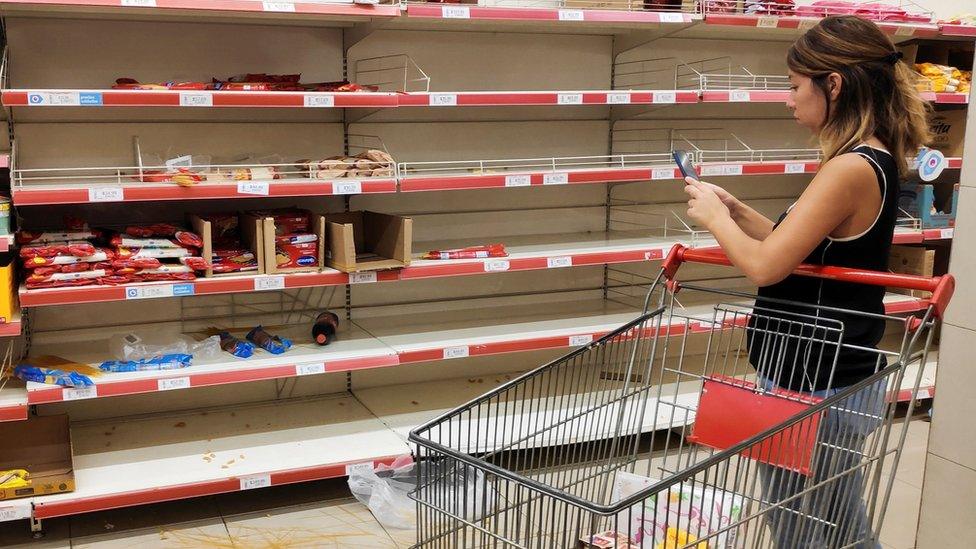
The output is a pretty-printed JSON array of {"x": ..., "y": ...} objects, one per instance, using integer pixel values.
[
  {"x": 606, "y": 540},
  {"x": 471, "y": 252},
  {"x": 273, "y": 344},
  {"x": 325, "y": 327}
]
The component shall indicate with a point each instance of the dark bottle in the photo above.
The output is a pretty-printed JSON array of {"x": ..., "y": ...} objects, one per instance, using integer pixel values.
[{"x": 325, "y": 327}]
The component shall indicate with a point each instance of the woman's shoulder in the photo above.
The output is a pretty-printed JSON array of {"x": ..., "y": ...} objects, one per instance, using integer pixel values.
[{"x": 847, "y": 167}]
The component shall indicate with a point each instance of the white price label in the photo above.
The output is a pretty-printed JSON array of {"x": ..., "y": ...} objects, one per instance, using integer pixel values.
[
  {"x": 732, "y": 169},
  {"x": 314, "y": 100},
  {"x": 79, "y": 393},
  {"x": 260, "y": 188},
  {"x": 456, "y": 352},
  {"x": 362, "y": 278},
  {"x": 710, "y": 170},
  {"x": 357, "y": 467},
  {"x": 924, "y": 393},
  {"x": 579, "y": 340},
  {"x": 555, "y": 178},
  {"x": 279, "y": 6},
  {"x": 662, "y": 173},
  {"x": 768, "y": 22},
  {"x": 671, "y": 18},
  {"x": 168, "y": 384},
  {"x": 139, "y": 3},
  {"x": 557, "y": 262},
  {"x": 442, "y": 99},
  {"x": 455, "y": 12},
  {"x": 347, "y": 187},
  {"x": 61, "y": 99},
  {"x": 618, "y": 98},
  {"x": 904, "y": 31},
  {"x": 664, "y": 97},
  {"x": 105, "y": 194},
  {"x": 495, "y": 265},
  {"x": 946, "y": 233},
  {"x": 518, "y": 180},
  {"x": 310, "y": 369},
  {"x": 795, "y": 167},
  {"x": 263, "y": 283},
  {"x": 14, "y": 513},
  {"x": 570, "y": 15},
  {"x": 257, "y": 481},
  {"x": 149, "y": 292},
  {"x": 569, "y": 99},
  {"x": 739, "y": 96},
  {"x": 196, "y": 99}
]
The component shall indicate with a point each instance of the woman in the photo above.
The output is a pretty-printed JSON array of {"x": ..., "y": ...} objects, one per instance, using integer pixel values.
[{"x": 849, "y": 87}]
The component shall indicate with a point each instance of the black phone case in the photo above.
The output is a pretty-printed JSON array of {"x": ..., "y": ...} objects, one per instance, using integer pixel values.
[{"x": 687, "y": 167}]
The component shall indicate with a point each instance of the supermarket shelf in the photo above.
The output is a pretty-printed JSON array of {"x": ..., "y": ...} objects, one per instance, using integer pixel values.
[
  {"x": 945, "y": 98},
  {"x": 546, "y": 97},
  {"x": 34, "y": 195},
  {"x": 917, "y": 236},
  {"x": 193, "y": 99},
  {"x": 792, "y": 25},
  {"x": 967, "y": 31},
  {"x": 13, "y": 401},
  {"x": 542, "y": 14},
  {"x": 6, "y": 242},
  {"x": 295, "y": 9},
  {"x": 219, "y": 450},
  {"x": 16, "y": 509},
  {"x": 12, "y": 328}
]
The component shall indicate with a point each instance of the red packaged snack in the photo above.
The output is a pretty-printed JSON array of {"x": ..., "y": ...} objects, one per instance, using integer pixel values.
[
  {"x": 159, "y": 253},
  {"x": 65, "y": 279},
  {"x": 287, "y": 221},
  {"x": 117, "y": 279},
  {"x": 74, "y": 268},
  {"x": 298, "y": 238},
  {"x": 101, "y": 254},
  {"x": 196, "y": 263},
  {"x": 77, "y": 249},
  {"x": 297, "y": 255},
  {"x": 136, "y": 263},
  {"x": 182, "y": 177},
  {"x": 27, "y": 237},
  {"x": 38, "y": 284},
  {"x": 183, "y": 237}
]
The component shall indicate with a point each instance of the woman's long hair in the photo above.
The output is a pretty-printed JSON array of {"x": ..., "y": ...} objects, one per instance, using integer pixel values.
[{"x": 878, "y": 95}]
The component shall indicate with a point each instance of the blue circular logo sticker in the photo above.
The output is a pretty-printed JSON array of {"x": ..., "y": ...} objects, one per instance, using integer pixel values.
[
  {"x": 35, "y": 99},
  {"x": 930, "y": 165}
]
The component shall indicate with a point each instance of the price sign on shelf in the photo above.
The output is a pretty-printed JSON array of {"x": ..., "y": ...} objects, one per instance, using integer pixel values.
[
  {"x": 279, "y": 6},
  {"x": 54, "y": 99},
  {"x": 665, "y": 97},
  {"x": 314, "y": 100},
  {"x": 495, "y": 265},
  {"x": 260, "y": 188},
  {"x": 455, "y": 12},
  {"x": 14, "y": 513},
  {"x": 362, "y": 278},
  {"x": 732, "y": 169},
  {"x": 571, "y": 15},
  {"x": 671, "y": 18},
  {"x": 264, "y": 283},
  {"x": 569, "y": 99},
  {"x": 555, "y": 178},
  {"x": 767, "y": 22},
  {"x": 139, "y": 3},
  {"x": 710, "y": 170},
  {"x": 347, "y": 187},
  {"x": 79, "y": 393},
  {"x": 256, "y": 481},
  {"x": 795, "y": 167},
  {"x": 662, "y": 173},
  {"x": 358, "y": 467},
  {"x": 559, "y": 262},
  {"x": 522, "y": 180},
  {"x": 106, "y": 194},
  {"x": 618, "y": 98},
  {"x": 579, "y": 340},
  {"x": 946, "y": 233},
  {"x": 196, "y": 99},
  {"x": 739, "y": 96},
  {"x": 456, "y": 352},
  {"x": 310, "y": 369},
  {"x": 168, "y": 384},
  {"x": 442, "y": 99}
]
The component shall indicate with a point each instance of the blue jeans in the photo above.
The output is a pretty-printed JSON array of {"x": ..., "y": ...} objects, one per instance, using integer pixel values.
[{"x": 834, "y": 514}]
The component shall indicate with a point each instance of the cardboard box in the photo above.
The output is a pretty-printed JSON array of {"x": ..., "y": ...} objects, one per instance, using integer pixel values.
[
  {"x": 948, "y": 131},
  {"x": 42, "y": 446},
  {"x": 251, "y": 235},
  {"x": 269, "y": 254},
  {"x": 368, "y": 241},
  {"x": 9, "y": 306},
  {"x": 912, "y": 260}
]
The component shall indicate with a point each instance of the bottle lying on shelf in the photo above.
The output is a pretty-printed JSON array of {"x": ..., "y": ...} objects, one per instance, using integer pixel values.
[{"x": 324, "y": 328}]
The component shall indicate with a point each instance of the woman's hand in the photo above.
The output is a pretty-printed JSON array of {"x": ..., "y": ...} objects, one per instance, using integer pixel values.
[
  {"x": 706, "y": 205},
  {"x": 725, "y": 196}
]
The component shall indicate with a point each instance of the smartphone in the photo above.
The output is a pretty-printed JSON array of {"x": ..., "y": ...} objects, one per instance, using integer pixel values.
[{"x": 687, "y": 167}]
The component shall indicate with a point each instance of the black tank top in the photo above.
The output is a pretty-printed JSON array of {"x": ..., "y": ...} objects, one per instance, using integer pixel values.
[{"x": 794, "y": 345}]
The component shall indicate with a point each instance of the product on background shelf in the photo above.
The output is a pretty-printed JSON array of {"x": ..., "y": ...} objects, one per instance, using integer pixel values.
[
  {"x": 968, "y": 19},
  {"x": 143, "y": 345},
  {"x": 874, "y": 11},
  {"x": 53, "y": 280},
  {"x": 287, "y": 221},
  {"x": 470, "y": 252},
  {"x": 234, "y": 346},
  {"x": 248, "y": 82},
  {"x": 273, "y": 344},
  {"x": 162, "y": 362},
  {"x": 28, "y": 237},
  {"x": 719, "y": 6},
  {"x": 183, "y": 177},
  {"x": 74, "y": 248},
  {"x": 233, "y": 261},
  {"x": 942, "y": 78},
  {"x": 4, "y": 215},
  {"x": 325, "y": 327},
  {"x": 370, "y": 163},
  {"x": 55, "y": 370},
  {"x": 14, "y": 478},
  {"x": 132, "y": 84},
  {"x": 293, "y": 255},
  {"x": 768, "y": 7},
  {"x": 37, "y": 261}
]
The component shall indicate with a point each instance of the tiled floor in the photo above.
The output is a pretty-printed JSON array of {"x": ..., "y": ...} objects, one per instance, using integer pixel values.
[{"x": 323, "y": 515}]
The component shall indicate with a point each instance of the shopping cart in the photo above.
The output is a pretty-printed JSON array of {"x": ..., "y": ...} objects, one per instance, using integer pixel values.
[{"x": 662, "y": 434}]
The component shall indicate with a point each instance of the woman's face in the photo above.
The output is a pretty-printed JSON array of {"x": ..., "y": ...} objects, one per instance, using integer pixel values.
[{"x": 807, "y": 102}]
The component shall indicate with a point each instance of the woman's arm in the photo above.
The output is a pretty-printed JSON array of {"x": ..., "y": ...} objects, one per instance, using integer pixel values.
[
  {"x": 831, "y": 198},
  {"x": 749, "y": 220}
]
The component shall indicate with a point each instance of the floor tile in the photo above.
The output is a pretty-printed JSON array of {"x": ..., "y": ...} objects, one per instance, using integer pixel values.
[{"x": 901, "y": 520}]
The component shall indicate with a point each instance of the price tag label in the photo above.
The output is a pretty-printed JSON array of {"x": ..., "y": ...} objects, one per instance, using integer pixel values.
[
  {"x": 310, "y": 369},
  {"x": 442, "y": 99},
  {"x": 314, "y": 100},
  {"x": 664, "y": 97},
  {"x": 139, "y": 3},
  {"x": 558, "y": 262},
  {"x": 903, "y": 30},
  {"x": 257, "y": 481},
  {"x": 264, "y": 283},
  {"x": 79, "y": 393},
  {"x": 710, "y": 170},
  {"x": 732, "y": 169},
  {"x": 357, "y": 467},
  {"x": 947, "y": 233},
  {"x": 518, "y": 180},
  {"x": 455, "y": 12},
  {"x": 579, "y": 340},
  {"x": 570, "y": 15},
  {"x": 260, "y": 188},
  {"x": 54, "y": 99},
  {"x": 196, "y": 99},
  {"x": 168, "y": 384},
  {"x": 618, "y": 98},
  {"x": 924, "y": 393},
  {"x": 347, "y": 187},
  {"x": 456, "y": 352},
  {"x": 671, "y": 18},
  {"x": 106, "y": 194},
  {"x": 555, "y": 178},
  {"x": 494, "y": 265},
  {"x": 739, "y": 96},
  {"x": 569, "y": 99},
  {"x": 795, "y": 167},
  {"x": 768, "y": 22},
  {"x": 149, "y": 292},
  {"x": 362, "y": 278},
  {"x": 14, "y": 513},
  {"x": 279, "y": 6},
  {"x": 662, "y": 173}
]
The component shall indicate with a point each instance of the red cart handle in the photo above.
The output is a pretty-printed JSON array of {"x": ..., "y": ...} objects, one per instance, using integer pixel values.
[{"x": 940, "y": 286}]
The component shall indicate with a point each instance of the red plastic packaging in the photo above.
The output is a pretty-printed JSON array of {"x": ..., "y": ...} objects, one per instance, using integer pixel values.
[
  {"x": 136, "y": 263},
  {"x": 290, "y": 256},
  {"x": 471, "y": 252},
  {"x": 77, "y": 249}
]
